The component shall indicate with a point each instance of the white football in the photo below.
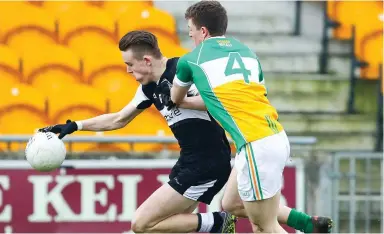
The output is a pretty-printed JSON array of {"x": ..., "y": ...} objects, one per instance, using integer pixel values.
[{"x": 45, "y": 151}]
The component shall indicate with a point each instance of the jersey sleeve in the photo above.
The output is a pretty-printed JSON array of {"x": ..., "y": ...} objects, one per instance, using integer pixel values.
[
  {"x": 140, "y": 100},
  {"x": 183, "y": 75}
]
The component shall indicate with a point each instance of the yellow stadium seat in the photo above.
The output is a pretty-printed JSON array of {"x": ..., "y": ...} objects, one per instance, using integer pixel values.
[
  {"x": 20, "y": 95},
  {"x": 364, "y": 15},
  {"x": 36, "y": 3},
  {"x": 25, "y": 25},
  {"x": 367, "y": 18},
  {"x": 79, "y": 111},
  {"x": 108, "y": 147},
  {"x": 95, "y": 3},
  {"x": 118, "y": 8},
  {"x": 372, "y": 52},
  {"x": 8, "y": 79},
  {"x": 148, "y": 123},
  {"x": 21, "y": 120},
  {"x": 101, "y": 58},
  {"x": 22, "y": 111},
  {"x": 10, "y": 66},
  {"x": 80, "y": 22},
  {"x": 118, "y": 84},
  {"x": 159, "y": 22},
  {"x": 331, "y": 5},
  {"x": 76, "y": 98},
  {"x": 50, "y": 65},
  {"x": 171, "y": 49}
]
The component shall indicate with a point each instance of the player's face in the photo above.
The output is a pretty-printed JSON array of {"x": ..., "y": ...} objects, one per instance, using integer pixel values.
[
  {"x": 141, "y": 69},
  {"x": 197, "y": 34}
]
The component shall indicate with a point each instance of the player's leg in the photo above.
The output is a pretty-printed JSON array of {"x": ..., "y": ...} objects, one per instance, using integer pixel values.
[
  {"x": 303, "y": 222},
  {"x": 266, "y": 222},
  {"x": 168, "y": 209},
  {"x": 260, "y": 166},
  {"x": 162, "y": 204},
  {"x": 232, "y": 203},
  {"x": 165, "y": 211},
  {"x": 190, "y": 209}
]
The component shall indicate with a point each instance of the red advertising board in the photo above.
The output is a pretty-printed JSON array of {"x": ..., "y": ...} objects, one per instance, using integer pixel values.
[{"x": 97, "y": 196}]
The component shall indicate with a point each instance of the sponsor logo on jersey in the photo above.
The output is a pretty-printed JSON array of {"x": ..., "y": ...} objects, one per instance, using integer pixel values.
[
  {"x": 173, "y": 113},
  {"x": 224, "y": 43}
]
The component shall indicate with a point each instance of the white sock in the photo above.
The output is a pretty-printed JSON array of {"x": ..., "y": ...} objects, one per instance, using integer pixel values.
[{"x": 207, "y": 222}]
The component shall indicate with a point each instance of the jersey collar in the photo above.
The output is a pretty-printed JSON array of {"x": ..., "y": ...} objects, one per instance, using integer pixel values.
[{"x": 215, "y": 37}]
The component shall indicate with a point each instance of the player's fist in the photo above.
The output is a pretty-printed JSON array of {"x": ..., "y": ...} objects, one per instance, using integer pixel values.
[
  {"x": 165, "y": 94},
  {"x": 165, "y": 87},
  {"x": 166, "y": 100},
  {"x": 61, "y": 129}
]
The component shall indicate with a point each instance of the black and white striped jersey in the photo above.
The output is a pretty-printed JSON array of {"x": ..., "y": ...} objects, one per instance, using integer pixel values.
[{"x": 192, "y": 128}]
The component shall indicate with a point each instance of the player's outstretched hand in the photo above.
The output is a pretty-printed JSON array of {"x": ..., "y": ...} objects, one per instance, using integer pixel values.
[
  {"x": 165, "y": 96},
  {"x": 61, "y": 129}
]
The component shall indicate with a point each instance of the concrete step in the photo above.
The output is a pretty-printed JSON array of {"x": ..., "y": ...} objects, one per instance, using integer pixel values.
[
  {"x": 328, "y": 123},
  {"x": 247, "y": 16},
  {"x": 311, "y": 18},
  {"x": 279, "y": 53},
  {"x": 271, "y": 44},
  {"x": 249, "y": 24},
  {"x": 307, "y": 92},
  {"x": 339, "y": 47},
  {"x": 332, "y": 141},
  {"x": 283, "y": 53},
  {"x": 339, "y": 64},
  {"x": 234, "y": 8},
  {"x": 292, "y": 63}
]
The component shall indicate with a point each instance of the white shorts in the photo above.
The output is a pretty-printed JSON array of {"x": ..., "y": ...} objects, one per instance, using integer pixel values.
[{"x": 260, "y": 165}]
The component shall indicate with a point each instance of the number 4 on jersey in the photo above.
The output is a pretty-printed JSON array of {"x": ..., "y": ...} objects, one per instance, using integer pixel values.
[
  {"x": 240, "y": 68},
  {"x": 230, "y": 69}
]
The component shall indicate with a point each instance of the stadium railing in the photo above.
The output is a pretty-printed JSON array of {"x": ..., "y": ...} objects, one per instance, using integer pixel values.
[
  {"x": 379, "y": 143},
  {"x": 297, "y": 28},
  {"x": 328, "y": 24},
  {"x": 296, "y": 141},
  {"x": 356, "y": 191}
]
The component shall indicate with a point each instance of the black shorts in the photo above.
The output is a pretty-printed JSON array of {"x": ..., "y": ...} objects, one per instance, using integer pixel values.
[{"x": 201, "y": 179}]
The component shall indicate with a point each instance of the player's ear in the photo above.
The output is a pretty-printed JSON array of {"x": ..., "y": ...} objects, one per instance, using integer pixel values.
[
  {"x": 148, "y": 60},
  {"x": 205, "y": 32}
]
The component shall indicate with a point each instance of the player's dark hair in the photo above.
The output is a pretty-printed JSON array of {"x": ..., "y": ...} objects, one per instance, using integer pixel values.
[
  {"x": 141, "y": 43},
  {"x": 209, "y": 14}
]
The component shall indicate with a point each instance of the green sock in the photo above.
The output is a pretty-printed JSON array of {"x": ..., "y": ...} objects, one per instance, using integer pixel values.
[{"x": 300, "y": 221}]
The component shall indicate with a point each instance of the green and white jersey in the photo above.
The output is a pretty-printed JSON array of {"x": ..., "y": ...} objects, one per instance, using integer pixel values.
[{"x": 230, "y": 80}]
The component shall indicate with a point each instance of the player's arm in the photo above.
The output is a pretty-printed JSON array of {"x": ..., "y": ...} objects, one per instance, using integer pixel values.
[
  {"x": 182, "y": 81},
  {"x": 193, "y": 100},
  {"x": 111, "y": 121},
  {"x": 105, "y": 122},
  {"x": 194, "y": 103}
]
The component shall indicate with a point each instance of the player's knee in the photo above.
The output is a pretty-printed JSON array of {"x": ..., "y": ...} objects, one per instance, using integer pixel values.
[
  {"x": 272, "y": 227},
  {"x": 255, "y": 228},
  {"x": 140, "y": 225},
  {"x": 232, "y": 207}
]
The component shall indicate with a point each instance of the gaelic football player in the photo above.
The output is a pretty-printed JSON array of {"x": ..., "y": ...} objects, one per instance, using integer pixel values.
[
  {"x": 204, "y": 164},
  {"x": 230, "y": 81}
]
